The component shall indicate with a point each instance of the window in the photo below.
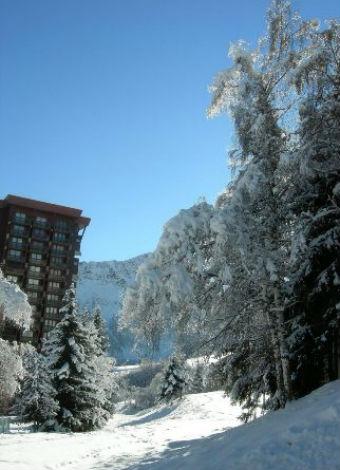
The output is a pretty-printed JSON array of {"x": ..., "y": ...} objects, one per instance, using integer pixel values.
[
  {"x": 62, "y": 225},
  {"x": 16, "y": 240},
  {"x": 55, "y": 273},
  {"x": 39, "y": 233},
  {"x": 51, "y": 311},
  {"x": 52, "y": 297},
  {"x": 58, "y": 248},
  {"x": 41, "y": 220},
  {"x": 59, "y": 237},
  {"x": 36, "y": 256},
  {"x": 56, "y": 260},
  {"x": 35, "y": 269},
  {"x": 19, "y": 217},
  {"x": 54, "y": 285},
  {"x": 18, "y": 229},
  {"x": 12, "y": 278},
  {"x": 16, "y": 254},
  {"x": 33, "y": 282},
  {"x": 32, "y": 295}
]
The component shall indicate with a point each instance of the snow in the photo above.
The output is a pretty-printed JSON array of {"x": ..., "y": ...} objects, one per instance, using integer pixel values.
[
  {"x": 14, "y": 304},
  {"x": 200, "y": 432}
]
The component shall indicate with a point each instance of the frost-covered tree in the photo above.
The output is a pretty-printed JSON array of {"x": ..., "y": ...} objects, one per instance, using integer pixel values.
[
  {"x": 171, "y": 292},
  {"x": 10, "y": 373},
  {"x": 314, "y": 295},
  {"x": 72, "y": 358},
  {"x": 195, "y": 382},
  {"x": 36, "y": 400},
  {"x": 14, "y": 306},
  {"x": 257, "y": 93},
  {"x": 174, "y": 383}
]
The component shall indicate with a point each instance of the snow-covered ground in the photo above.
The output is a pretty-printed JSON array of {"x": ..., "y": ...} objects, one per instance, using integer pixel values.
[{"x": 201, "y": 432}]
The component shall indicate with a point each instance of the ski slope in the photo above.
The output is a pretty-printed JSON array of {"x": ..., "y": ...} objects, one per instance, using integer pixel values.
[{"x": 201, "y": 432}]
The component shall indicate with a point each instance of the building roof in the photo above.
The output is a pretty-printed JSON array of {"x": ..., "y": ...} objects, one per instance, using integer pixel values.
[{"x": 11, "y": 200}]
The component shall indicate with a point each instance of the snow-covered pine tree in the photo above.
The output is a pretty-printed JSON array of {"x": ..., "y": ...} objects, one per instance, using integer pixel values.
[
  {"x": 314, "y": 298},
  {"x": 36, "y": 401},
  {"x": 99, "y": 323},
  {"x": 174, "y": 382},
  {"x": 73, "y": 363}
]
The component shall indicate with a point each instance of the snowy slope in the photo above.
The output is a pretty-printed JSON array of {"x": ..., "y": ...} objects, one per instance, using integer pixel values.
[
  {"x": 104, "y": 283},
  {"x": 201, "y": 432}
]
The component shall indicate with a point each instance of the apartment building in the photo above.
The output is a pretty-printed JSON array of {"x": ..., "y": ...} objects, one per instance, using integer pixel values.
[{"x": 39, "y": 250}]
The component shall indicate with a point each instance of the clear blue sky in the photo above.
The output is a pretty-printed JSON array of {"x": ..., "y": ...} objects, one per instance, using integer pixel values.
[{"x": 102, "y": 107}]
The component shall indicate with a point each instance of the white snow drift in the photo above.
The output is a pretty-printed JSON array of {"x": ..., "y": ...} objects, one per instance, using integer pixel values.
[{"x": 195, "y": 434}]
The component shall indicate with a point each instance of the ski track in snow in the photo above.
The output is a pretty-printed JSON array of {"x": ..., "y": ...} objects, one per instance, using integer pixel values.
[{"x": 194, "y": 434}]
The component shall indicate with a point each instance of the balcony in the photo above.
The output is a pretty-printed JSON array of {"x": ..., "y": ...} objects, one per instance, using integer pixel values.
[
  {"x": 57, "y": 277},
  {"x": 21, "y": 220},
  {"x": 34, "y": 301},
  {"x": 52, "y": 303},
  {"x": 13, "y": 270},
  {"x": 15, "y": 231},
  {"x": 55, "y": 290},
  {"x": 61, "y": 238},
  {"x": 15, "y": 258},
  {"x": 40, "y": 236},
  {"x": 63, "y": 227},
  {"x": 34, "y": 288},
  {"x": 38, "y": 262},
  {"x": 58, "y": 262},
  {"x": 35, "y": 275},
  {"x": 56, "y": 252},
  {"x": 16, "y": 246},
  {"x": 39, "y": 249},
  {"x": 41, "y": 224}
]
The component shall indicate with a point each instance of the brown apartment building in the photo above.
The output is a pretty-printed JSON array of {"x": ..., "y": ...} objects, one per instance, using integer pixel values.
[{"x": 39, "y": 249}]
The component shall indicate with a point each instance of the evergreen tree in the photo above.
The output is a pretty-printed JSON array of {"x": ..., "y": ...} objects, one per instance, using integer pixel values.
[
  {"x": 99, "y": 323},
  {"x": 36, "y": 401},
  {"x": 73, "y": 362},
  {"x": 173, "y": 381},
  {"x": 313, "y": 298}
]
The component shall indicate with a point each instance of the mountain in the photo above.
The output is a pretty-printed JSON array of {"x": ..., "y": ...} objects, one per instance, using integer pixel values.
[{"x": 104, "y": 283}]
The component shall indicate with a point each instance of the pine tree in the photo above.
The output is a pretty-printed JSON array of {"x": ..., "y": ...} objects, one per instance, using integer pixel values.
[
  {"x": 102, "y": 336},
  {"x": 36, "y": 401},
  {"x": 173, "y": 381},
  {"x": 313, "y": 298},
  {"x": 73, "y": 363}
]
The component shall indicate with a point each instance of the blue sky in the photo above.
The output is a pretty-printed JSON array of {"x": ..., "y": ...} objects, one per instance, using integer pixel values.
[{"x": 102, "y": 107}]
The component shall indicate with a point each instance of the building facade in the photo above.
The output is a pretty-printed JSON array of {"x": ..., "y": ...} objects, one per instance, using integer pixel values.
[{"x": 39, "y": 249}]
